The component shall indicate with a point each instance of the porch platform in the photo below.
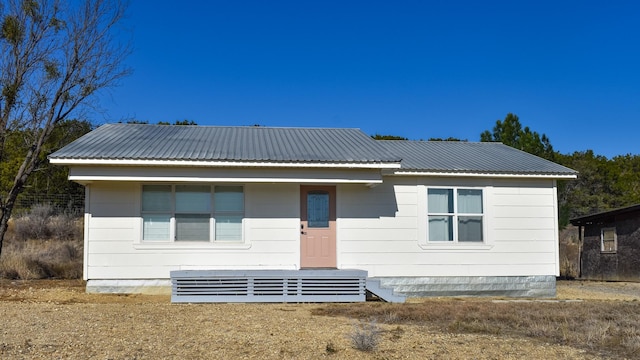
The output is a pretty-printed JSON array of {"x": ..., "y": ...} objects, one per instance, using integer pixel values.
[{"x": 239, "y": 286}]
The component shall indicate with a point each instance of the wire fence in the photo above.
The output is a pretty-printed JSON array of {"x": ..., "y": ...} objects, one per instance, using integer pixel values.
[{"x": 62, "y": 203}]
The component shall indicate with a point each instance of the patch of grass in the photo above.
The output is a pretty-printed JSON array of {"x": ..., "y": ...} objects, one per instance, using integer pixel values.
[
  {"x": 365, "y": 335},
  {"x": 36, "y": 259},
  {"x": 41, "y": 245},
  {"x": 600, "y": 327}
]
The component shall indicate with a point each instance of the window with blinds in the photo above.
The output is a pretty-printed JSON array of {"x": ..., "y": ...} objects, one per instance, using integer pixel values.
[{"x": 202, "y": 213}]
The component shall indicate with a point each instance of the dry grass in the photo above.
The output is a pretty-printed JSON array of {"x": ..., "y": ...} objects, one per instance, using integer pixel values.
[
  {"x": 37, "y": 259},
  {"x": 569, "y": 253},
  {"x": 56, "y": 319},
  {"x": 365, "y": 335},
  {"x": 42, "y": 222},
  {"x": 42, "y": 245},
  {"x": 606, "y": 328}
]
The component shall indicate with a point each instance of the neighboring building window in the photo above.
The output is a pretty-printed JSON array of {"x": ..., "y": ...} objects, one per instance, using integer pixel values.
[
  {"x": 455, "y": 215},
  {"x": 187, "y": 212},
  {"x": 609, "y": 240}
]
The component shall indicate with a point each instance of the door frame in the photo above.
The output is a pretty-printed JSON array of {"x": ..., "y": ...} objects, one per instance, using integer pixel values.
[{"x": 332, "y": 259}]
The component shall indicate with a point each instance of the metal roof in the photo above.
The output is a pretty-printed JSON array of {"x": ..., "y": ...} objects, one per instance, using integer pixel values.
[
  {"x": 219, "y": 143},
  {"x": 470, "y": 157},
  {"x": 116, "y": 142},
  {"x": 604, "y": 215}
]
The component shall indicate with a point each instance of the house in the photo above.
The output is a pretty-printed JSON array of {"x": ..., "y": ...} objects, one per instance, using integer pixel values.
[
  {"x": 610, "y": 244},
  {"x": 425, "y": 218}
]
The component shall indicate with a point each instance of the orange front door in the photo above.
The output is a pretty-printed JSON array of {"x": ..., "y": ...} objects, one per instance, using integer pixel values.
[{"x": 317, "y": 226}]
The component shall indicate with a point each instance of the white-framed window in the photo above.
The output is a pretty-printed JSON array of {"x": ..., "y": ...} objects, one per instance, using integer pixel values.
[
  {"x": 455, "y": 215},
  {"x": 192, "y": 213},
  {"x": 228, "y": 212},
  {"x": 608, "y": 240}
]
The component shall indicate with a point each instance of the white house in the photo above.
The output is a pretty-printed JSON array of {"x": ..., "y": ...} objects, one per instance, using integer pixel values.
[{"x": 426, "y": 218}]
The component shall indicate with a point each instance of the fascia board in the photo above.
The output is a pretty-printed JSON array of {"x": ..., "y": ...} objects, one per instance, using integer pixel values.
[
  {"x": 111, "y": 162},
  {"x": 481, "y": 175},
  {"x": 89, "y": 179}
]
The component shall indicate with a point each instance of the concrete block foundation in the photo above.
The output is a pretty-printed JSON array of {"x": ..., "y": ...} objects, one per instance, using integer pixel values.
[{"x": 540, "y": 286}]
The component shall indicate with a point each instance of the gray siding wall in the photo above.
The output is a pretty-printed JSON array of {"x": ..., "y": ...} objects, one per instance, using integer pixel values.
[{"x": 624, "y": 264}]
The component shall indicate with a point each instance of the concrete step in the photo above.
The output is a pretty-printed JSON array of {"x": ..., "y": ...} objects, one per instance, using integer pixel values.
[{"x": 385, "y": 293}]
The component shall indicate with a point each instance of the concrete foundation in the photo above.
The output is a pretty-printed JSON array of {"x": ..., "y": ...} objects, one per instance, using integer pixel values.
[
  {"x": 543, "y": 286},
  {"x": 144, "y": 286}
]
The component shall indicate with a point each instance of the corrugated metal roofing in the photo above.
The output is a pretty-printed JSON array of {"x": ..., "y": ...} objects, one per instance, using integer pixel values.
[
  {"x": 470, "y": 157},
  {"x": 219, "y": 143},
  {"x": 313, "y": 145}
]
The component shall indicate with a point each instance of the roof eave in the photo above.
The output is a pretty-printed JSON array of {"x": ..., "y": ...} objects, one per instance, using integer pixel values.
[
  {"x": 220, "y": 163},
  {"x": 432, "y": 173},
  {"x": 588, "y": 219}
]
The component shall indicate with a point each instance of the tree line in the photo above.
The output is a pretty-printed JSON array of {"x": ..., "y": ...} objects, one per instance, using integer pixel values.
[{"x": 602, "y": 183}]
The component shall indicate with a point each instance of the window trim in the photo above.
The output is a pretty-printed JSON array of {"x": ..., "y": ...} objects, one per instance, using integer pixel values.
[
  {"x": 423, "y": 220},
  {"x": 172, "y": 243},
  {"x": 615, "y": 240}
]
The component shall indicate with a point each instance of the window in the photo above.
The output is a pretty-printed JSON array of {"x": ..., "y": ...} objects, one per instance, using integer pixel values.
[
  {"x": 609, "y": 240},
  {"x": 156, "y": 212},
  {"x": 229, "y": 211},
  {"x": 455, "y": 215},
  {"x": 318, "y": 209},
  {"x": 190, "y": 213}
]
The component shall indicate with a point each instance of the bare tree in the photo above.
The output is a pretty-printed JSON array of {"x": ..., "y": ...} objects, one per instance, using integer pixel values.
[{"x": 54, "y": 57}]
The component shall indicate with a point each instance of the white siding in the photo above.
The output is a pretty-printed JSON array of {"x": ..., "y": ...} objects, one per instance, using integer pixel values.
[
  {"x": 380, "y": 229},
  {"x": 115, "y": 250},
  {"x": 387, "y": 235}
]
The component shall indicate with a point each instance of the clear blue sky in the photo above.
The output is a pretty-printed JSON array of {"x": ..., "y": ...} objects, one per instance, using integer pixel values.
[{"x": 418, "y": 69}]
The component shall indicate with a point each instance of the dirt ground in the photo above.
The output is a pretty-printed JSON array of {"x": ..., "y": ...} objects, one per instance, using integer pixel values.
[{"x": 58, "y": 320}]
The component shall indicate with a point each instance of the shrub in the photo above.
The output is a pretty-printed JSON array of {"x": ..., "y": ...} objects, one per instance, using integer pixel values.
[
  {"x": 42, "y": 245},
  {"x": 365, "y": 336},
  {"x": 35, "y": 259},
  {"x": 33, "y": 225},
  {"x": 18, "y": 266},
  {"x": 64, "y": 227},
  {"x": 40, "y": 222}
]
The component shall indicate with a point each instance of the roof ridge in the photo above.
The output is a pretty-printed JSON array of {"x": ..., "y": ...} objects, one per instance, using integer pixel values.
[
  {"x": 241, "y": 126},
  {"x": 441, "y": 141}
]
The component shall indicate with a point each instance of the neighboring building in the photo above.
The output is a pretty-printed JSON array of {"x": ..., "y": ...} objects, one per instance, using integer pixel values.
[
  {"x": 426, "y": 218},
  {"x": 610, "y": 244}
]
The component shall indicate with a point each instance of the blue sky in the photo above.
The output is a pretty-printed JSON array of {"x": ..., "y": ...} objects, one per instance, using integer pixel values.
[{"x": 418, "y": 69}]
